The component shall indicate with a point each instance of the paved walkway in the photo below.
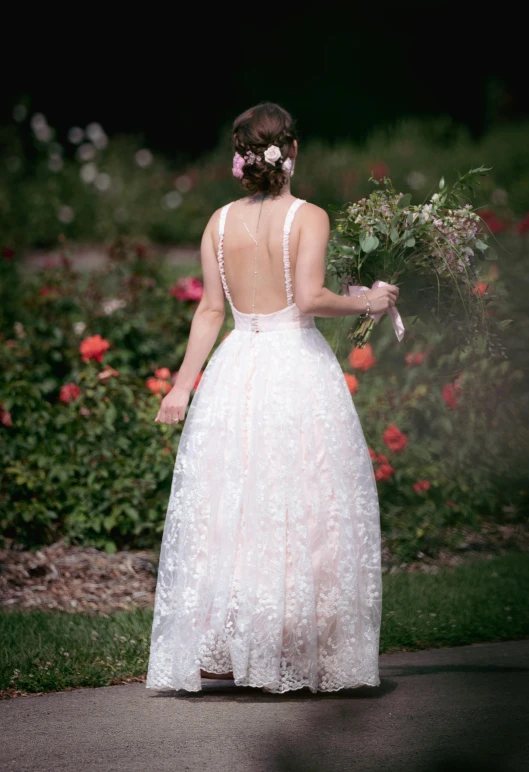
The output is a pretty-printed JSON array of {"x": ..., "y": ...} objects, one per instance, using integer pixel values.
[{"x": 464, "y": 708}]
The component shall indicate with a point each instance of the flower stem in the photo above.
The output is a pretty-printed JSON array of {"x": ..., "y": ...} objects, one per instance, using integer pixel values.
[{"x": 360, "y": 332}]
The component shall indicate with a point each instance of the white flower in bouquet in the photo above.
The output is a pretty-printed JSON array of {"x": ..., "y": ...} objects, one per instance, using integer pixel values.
[{"x": 385, "y": 238}]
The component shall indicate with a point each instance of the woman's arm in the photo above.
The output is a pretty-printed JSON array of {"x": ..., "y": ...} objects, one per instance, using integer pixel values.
[
  {"x": 310, "y": 294},
  {"x": 205, "y": 327}
]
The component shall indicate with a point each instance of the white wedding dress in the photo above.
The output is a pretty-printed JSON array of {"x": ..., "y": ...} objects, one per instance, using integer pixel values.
[{"x": 270, "y": 559}]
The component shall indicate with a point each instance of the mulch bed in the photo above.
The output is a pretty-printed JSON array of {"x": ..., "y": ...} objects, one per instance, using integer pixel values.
[{"x": 84, "y": 579}]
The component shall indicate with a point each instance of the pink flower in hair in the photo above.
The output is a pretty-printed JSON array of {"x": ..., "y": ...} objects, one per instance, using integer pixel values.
[{"x": 238, "y": 163}]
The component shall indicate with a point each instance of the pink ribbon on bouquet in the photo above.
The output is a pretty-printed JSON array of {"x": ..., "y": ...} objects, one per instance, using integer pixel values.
[{"x": 356, "y": 290}]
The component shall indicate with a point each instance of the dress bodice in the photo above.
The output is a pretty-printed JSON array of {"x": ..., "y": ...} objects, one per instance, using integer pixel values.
[{"x": 287, "y": 318}]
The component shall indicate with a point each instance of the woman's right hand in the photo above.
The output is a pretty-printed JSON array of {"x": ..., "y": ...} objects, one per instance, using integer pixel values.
[{"x": 381, "y": 299}]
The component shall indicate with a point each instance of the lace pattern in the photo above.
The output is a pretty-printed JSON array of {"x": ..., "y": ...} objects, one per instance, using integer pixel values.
[
  {"x": 286, "y": 246},
  {"x": 270, "y": 563},
  {"x": 270, "y": 558},
  {"x": 220, "y": 251}
]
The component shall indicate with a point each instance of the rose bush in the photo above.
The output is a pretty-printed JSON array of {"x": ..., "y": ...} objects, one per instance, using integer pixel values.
[
  {"x": 86, "y": 358},
  {"x": 92, "y": 190}
]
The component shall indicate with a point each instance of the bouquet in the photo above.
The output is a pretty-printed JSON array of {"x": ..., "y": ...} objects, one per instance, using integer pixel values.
[{"x": 385, "y": 238}]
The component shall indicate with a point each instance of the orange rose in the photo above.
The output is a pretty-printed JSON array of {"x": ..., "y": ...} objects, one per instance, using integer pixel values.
[
  {"x": 94, "y": 347},
  {"x": 157, "y": 386},
  {"x": 352, "y": 382},
  {"x": 480, "y": 288},
  {"x": 362, "y": 358},
  {"x": 163, "y": 372}
]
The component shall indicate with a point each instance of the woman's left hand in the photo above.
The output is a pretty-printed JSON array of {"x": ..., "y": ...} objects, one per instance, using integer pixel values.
[{"x": 173, "y": 407}]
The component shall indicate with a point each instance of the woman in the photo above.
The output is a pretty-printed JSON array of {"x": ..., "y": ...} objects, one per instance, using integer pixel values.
[{"x": 270, "y": 561}]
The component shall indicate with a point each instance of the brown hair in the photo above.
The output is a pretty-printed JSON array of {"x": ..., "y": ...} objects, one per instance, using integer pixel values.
[{"x": 255, "y": 130}]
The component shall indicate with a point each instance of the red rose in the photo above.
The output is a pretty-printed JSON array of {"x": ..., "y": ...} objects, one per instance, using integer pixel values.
[
  {"x": 69, "y": 392},
  {"x": 44, "y": 292},
  {"x": 157, "y": 386},
  {"x": 379, "y": 170},
  {"x": 8, "y": 253},
  {"x": 106, "y": 374},
  {"x": 450, "y": 503},
  {"x": 451, "y": 394},
  {"x": 199, "y": 378},
  {"x": 383, "y": 472},
  {"x": 523, "y": 225},
  {"x": 5, "y": 416},
  {"x": 421, "y": 485},
  {"x": 362, "y": 358},
  {"x": 414, "y": 358},
  {"x": 495, "y": 225},
  {"x": 372, "y": 454},
  {"x": 188, "y": 288},
  {"x": 480, "y": 288},
  {"x": 352, "y": 382},
  {"x": 381, "y": 459},
  {"x": 94, "y": 347},
  {"x": 394, "y": 439},
  {"x": 163, "y": 372}
]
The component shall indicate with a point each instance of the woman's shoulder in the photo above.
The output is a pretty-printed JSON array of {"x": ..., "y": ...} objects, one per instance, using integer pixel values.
[
  {"x": 313, "y": 215},
  {"x": 214, "y": 220}
]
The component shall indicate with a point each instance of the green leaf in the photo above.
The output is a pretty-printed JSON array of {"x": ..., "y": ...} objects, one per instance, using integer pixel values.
[
  {"x": 481, "y": 245},
  {"x": 382, "y": 227},
  {"x": 441, "y": 183},
  {"x": 394, "y": 235},
  {"x": 410, "y": 242},
  {"x": 370, "y": 244},
  {"x": 504, "y": 323},
  {"x": 404, "y": 201},
  {"x": 410, "y": 219}
]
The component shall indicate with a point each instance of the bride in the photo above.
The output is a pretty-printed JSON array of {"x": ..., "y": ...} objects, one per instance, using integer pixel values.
[{"x": 269, "y": 567}]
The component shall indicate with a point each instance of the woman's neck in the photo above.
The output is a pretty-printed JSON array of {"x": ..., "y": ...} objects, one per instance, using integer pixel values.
[{"x": 258, "y": 197}]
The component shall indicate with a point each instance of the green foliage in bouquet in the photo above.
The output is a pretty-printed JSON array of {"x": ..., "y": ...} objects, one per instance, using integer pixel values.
[{"x": 436, "y": 244}]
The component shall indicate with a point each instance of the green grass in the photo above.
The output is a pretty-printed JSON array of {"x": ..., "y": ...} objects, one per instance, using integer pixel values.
[{"x": 485, "y": 600}]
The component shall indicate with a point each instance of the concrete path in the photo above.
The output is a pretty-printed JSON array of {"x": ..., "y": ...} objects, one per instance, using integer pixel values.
[{"x": 464, "y": 708}]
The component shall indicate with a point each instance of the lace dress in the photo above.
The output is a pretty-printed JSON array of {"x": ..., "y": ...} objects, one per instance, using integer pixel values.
[{"x": 270, "y": 558}]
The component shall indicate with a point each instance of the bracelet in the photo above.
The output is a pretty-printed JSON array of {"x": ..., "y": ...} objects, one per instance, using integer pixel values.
[{"x": 368, "y": 309}]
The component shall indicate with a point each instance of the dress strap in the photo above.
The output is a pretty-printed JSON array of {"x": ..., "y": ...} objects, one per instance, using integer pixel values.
[
  {"x": 220, "y": 251},
  {"x": 286, "y": 253}
]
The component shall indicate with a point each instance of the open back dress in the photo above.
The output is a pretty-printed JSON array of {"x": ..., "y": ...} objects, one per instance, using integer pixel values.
[{"x": 270, "y": 558}]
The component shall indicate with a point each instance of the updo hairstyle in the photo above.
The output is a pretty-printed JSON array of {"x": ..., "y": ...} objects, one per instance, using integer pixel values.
[{"x": 254, "y": 131}]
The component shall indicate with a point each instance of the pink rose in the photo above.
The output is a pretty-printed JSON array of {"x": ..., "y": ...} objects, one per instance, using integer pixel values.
[
  {"x": 188, "y": 288},
  {"x": 238, "y": 163}
]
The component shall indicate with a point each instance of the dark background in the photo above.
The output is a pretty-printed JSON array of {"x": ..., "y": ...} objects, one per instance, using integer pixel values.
[{"x": 178, "y": 76}]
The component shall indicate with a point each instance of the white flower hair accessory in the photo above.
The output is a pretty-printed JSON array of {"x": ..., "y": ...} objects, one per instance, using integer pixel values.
[
  {"x": 288, "y": 166},
  {"x": 272, "y": 154}
]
